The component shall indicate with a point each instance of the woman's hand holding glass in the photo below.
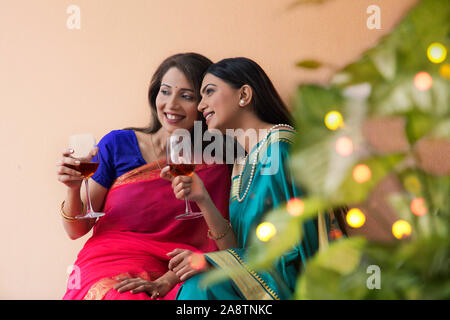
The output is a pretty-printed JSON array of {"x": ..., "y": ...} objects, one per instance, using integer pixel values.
[
  {"x": 186, "y": 187},
  {"x": 76, "y": 166},
  {"x": 68, "y": 176}
]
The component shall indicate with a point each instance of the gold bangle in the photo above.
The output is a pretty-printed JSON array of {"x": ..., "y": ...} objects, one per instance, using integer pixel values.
[
  {"x": 220, "y": 236},
  {"x": 71, "y": 219}
]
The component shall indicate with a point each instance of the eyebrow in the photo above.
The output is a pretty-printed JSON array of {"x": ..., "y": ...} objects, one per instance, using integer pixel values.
[
  {"x": 204, "y": 88},
  {"x": 184, "y": 89}
]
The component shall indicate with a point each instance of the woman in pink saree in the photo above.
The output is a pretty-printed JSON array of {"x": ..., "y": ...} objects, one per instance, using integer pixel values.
[{"x": 126, "y": 257}]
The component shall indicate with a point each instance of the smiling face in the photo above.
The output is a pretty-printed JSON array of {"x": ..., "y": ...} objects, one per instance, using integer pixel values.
[
  {"x": 176, "y": 102},
  {"x": 219, "y": 104}
]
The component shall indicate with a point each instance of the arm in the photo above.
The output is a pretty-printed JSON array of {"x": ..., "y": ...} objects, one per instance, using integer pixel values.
[
  {"x": 73, "y": 201},
  {"x": 223, "y": 234},
  {"x": 192, "y": 188}
]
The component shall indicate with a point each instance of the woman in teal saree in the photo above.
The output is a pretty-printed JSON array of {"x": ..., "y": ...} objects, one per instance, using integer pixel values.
[{"x": 237, "y": 94}]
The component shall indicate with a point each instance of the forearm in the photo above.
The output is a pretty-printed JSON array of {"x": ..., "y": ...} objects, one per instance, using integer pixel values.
[
  {"x": 169, "y": 278},
  {"x": 73, "y": 206},
  {"x": 217, "y": 224}
]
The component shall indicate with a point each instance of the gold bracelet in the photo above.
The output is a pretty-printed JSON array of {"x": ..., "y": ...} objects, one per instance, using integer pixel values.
[
  {"x": 221, "y": 235},
  {"x": 71, "y": 219}
]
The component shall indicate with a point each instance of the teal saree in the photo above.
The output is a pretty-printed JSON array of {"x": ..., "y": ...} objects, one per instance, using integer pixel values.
[{"x": 271, "y": 186}]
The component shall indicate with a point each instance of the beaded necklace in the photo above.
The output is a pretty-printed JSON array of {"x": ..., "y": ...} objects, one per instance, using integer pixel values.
[{"x": 252, "y": 172}]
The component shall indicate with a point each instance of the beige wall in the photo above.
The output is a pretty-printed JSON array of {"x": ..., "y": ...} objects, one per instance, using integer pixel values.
[{"x": 55, "y": 82}]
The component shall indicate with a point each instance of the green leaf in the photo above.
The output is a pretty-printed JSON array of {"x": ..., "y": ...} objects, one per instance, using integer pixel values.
[
  {"x": 352, "y": 192},
  {"x": 263, "y": 254},
  {"x": 309, "y": 64},
  {"x": 322, "y": 276},
  {"x": 418, "y": 125},
  {"x": 384, "y": 59}
]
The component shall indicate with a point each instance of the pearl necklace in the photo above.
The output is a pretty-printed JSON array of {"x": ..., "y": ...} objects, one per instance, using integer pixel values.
[{"x": 252, "y": 172}]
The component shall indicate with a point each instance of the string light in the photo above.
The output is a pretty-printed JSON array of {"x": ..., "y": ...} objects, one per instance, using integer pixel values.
[
  {"x": 335, "y": 234},
  {"x": 295, "y": 207},
  {"x": 362, "y": 173},
  {"x": 333, "y": 120},
  {"x": 355, "y": 218},
  {"x": 344, "y": 146},
  {"x": 197, "y": 261},
  {"x": 265, "y": 231},
  {"x": 436, "y": 52},
  {"x": 401, "y": 228},
  {"x": 444, "y": 70},
  {"x": 423, "y": 81},
  {"x": 418, "y": 206}
]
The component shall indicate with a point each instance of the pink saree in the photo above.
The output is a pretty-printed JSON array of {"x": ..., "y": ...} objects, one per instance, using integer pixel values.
[{"x": 138, "y": 231}]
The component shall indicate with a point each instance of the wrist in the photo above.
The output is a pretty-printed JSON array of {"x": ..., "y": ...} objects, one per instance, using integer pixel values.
[
  {"x": 170, "y": 279},
  {"x": 205, "y": 202}
]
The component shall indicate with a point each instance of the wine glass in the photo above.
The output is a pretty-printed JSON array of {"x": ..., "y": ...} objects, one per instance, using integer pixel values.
[
  {"x": 180, "y": 158},
  {"x": 83, "y": 144}
]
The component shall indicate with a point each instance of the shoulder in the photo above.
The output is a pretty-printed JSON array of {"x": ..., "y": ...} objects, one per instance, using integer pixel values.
[
  {"x": 284, "y": 136},
  {"x": 117, "y": 136},
  {"x": 280, "y": 140}
]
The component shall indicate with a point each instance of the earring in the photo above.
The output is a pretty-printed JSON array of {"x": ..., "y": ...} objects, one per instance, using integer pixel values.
[{"x": 241, "y": 102}]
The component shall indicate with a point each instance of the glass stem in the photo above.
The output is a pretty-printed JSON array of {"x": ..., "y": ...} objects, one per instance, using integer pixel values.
[
  {"x": 89, "y": 206},
  {"x": 188, "y": 206}
]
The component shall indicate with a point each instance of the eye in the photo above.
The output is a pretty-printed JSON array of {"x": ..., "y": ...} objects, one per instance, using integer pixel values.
[
  {"x": 164, "y": 91},
  {"x": 187, "y": 97},
  {"x": 209, "y": 91}
]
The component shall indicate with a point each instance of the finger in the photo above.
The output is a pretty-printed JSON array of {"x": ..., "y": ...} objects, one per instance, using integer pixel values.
[
  {"x": 93, "y": 152},
  {"x": 182, "y": 194},
  {"x": 66, "y": 161},
  {"x": 181, "y": 186},
  {"x": 123, "y": 282},
  {"x": 188, "y": 274},
  {"x": 155, "y": 295},
  {"x": 67, "y": 152},
  {"x": 90, "y": 155},
  {"x": 68, "y": 171},
  {"x": 122, "y": 278},
  {"x": 175, "y": 182},
  {"x": 175, "y": 261},
  {"x": 186, "y": 179},
  {"x": 66, "y": 178},
  {"x": 140, "y": 289},
  {"x": 181, "y": 179},
  {"x": 175, "y": 252},
  {"x": 182, "y": 264},
  {"x": 182, "y": 271},
  {"x": 165, "y": 174},
  {"x": 129, "y": 286}
]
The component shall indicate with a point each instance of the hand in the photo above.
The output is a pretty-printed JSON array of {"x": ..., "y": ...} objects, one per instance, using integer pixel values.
[
  {"x": 155, "y": 289},
  {"x": 186, "y": 264},
  {"x": 186, "y": 187},
  {"x": 71, "y": 177}
]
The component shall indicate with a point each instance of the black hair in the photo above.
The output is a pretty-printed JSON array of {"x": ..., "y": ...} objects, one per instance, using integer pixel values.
[{"x": 266, "y": 101}]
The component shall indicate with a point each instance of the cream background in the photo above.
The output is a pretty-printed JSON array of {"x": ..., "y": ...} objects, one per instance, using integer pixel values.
[{"x": 55, "y": 82}]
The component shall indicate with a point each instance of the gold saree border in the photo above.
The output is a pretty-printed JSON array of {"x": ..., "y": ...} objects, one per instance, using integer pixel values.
[
  {"x": 99, "y": 289},
  {"x": 148, "y": 172},
  {"x": 250, "y": 283}
]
